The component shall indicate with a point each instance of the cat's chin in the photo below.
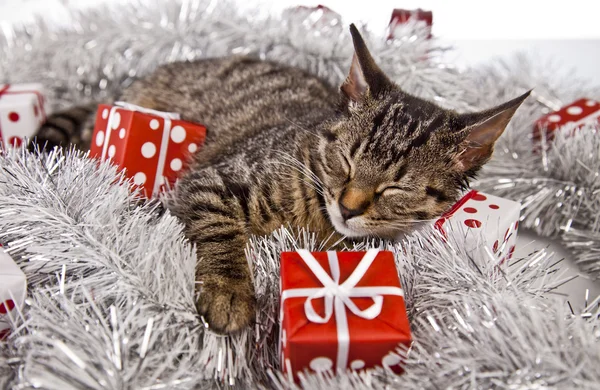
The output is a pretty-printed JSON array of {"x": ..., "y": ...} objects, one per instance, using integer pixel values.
[{"x": 344, "y": 229}]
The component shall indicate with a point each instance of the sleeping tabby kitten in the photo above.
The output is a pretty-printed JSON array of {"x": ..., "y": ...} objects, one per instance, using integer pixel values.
[{"x": 284, "y": 148}]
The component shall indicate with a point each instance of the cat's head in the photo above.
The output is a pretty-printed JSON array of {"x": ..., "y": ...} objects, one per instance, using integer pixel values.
[{"x": 394, "y": 160}]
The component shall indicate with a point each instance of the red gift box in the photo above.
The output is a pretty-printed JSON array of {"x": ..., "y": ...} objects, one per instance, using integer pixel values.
[
  {"x": 316, "y": 17},
  {"x": 571, "y": 117},
  {"x": 341, "y": 310},
  {"x": 319, "y": 7},
  {"x": 152, "y": 146},
  {"x": 402, "y": 16}
]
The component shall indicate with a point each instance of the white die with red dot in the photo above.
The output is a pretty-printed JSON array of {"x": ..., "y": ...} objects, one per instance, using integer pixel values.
[
  {"x": 13, "y": 288},
  {"x": 23, "y": 108},
  {"x": 486, "y": 224}
]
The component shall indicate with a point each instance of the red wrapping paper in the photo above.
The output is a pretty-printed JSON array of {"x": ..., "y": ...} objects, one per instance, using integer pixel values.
[
  {"x": 315, "y": 346},
  {"x": 570, "y": 117},
  {"x": 151, "y": 146},
  {"x": 402, "y": 16},
  {"x": 317, "y": 17}
]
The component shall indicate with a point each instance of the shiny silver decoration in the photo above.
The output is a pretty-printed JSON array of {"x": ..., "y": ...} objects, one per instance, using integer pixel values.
[
  {"x": 111, "y": 301},
  {"x": 557, "y": 181},
  {"x": 107, "y": 47}
]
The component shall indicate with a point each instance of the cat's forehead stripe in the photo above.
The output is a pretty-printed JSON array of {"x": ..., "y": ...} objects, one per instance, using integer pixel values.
[
  {"x": 396, "y": 130},
  {"x": 380, "y": 134},
  {"x": 379, "y": 120},
  {"x": 401, "y": 173},
  {"x": 354, "y": 147}
]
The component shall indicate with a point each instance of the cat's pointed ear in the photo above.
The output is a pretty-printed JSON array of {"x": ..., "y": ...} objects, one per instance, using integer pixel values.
[
  {"x": 483, "y": 129},
  {"x": 364, "y": 76}
]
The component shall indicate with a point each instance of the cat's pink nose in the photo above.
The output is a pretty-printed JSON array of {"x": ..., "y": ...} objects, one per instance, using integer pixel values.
[
  {"x": 349, "y": 213},
  {"x": 354, "y": 202}
]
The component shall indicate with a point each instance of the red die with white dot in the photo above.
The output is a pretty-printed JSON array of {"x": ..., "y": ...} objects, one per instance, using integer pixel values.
[
  {"x": 152, "y": 147},
  {"x": 13, "y": 288},
  {"x": 486, "y": 224},
  {"x": 22, "y": 111},
  {"x": 569, "y": 118}
]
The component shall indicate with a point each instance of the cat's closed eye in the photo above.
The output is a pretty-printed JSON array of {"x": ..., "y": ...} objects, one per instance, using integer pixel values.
[
  {"x": 347, "y": 167},
  {"x": 393, "y": 190}
]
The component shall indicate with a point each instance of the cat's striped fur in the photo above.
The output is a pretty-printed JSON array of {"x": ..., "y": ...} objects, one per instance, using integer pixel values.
[
  {"x": 74, "y": 126},
  {"x": 283, "y": 148}
]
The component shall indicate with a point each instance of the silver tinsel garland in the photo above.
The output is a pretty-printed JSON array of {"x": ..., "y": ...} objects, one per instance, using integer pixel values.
[
  {"x": 558, "y": 184},
  {"x": 111, "y": 289}
]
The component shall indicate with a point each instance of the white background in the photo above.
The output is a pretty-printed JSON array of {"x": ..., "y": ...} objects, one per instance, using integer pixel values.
[
  {"x": 565, "y": 31},
  {"x": 479, "y": 29}
]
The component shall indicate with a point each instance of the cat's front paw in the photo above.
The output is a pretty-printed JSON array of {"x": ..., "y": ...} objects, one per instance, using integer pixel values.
[{"x": 228, "y": 305}]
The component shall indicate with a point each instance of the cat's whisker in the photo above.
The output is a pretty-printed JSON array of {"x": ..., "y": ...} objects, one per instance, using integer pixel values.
[
  {"x": 312, "y": 186},
  {"x": 304, "y": 169},
  {"x": 305, "y": 179},
  {"x": 406, "y": 225},
  {"x": 409, "y": 220},
  {"x": 303, "y": 128},
  {"x": 308, "y": 183},
  {"x": 393, "y": 226},
  {"x": 300, "y": 167},
  {"x": 300, "y": 164},
  {"x": 398, "y": 223},
  {"x": 320, "y": 192},
  {"x": 420, "y": 220},
  {"x": 299, "y": 170}
]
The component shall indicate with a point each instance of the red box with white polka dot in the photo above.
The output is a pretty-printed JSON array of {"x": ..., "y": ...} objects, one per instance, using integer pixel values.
[
  {"x": 22, "y": 111},
  {"x": 569, "y": 118},
  {"x": 13, "y": 288},
  {"x": 341, "y": 311},
  {"x": 485, "y": 224},
  {"x": 402, "y": 17},
  {"x": 315, "y": 17},
  {"x": 152, "y": 147}
]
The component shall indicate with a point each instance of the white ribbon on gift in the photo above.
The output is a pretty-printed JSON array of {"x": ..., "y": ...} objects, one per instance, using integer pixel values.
[
  {"x": 162, "y": 156},
  {"x": 338, "y": 296}
]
